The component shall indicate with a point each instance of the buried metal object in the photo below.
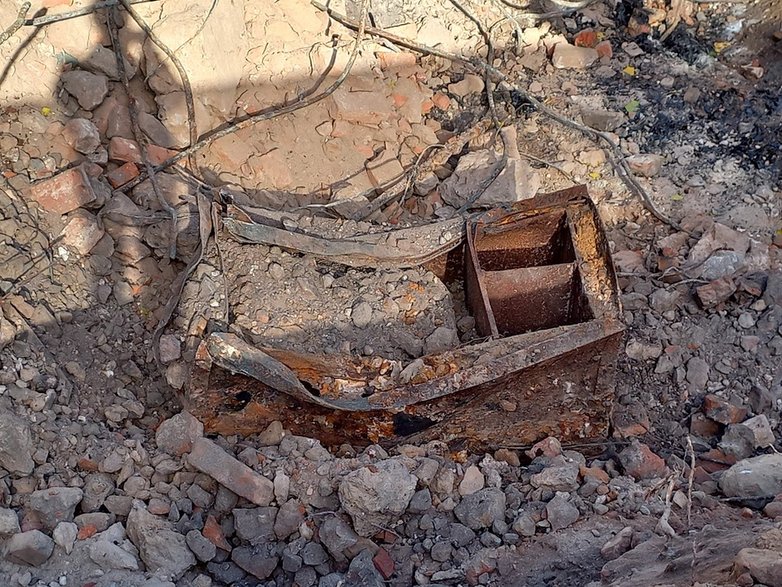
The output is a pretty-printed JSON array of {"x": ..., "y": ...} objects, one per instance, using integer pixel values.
[{"x": 540, "y": 284}]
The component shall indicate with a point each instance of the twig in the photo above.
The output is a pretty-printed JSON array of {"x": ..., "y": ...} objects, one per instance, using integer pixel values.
[
  {"x": 140, "y": 137},
  {"x": 663, "y": 527},
  {"x": 690, "y": 479},
  {"x": 413, "y": 175},
  {"x": 548, "y": 164},
  {"x": 191, "y": 120},
  {"x": 17, "y": 24},
  {"x": 489, "y": 59},
  {"x": 615, "y": 155},
  {"x": 514, "y": 22},
  {"x": 304, "y": 100},
  {"x": 50, "y": 19}
]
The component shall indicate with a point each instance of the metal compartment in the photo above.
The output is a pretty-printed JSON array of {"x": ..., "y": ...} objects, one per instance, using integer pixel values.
[{"x": 541, "y": 287}]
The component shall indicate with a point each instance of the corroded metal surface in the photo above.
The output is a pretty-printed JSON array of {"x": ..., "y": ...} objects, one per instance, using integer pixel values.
[{"x": 540, "y": 284}]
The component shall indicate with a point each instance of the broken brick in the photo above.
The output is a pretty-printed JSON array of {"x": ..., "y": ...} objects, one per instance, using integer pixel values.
[
  {"x": 122, "y": 175},
  {"x": 65, "y": 192},
  {"x": 723, "y": 411},
  {"x": 124, "y": 150},
  {"x": 158, "y": 155},
  {"x": 585, "y": 38},
  {"x": 82, "y": 232},
  {"x": 396, "y": 60},
  {"x": 716, "y": 292},
  {"x": 214, "y": 534},
  {"x": 604, "y": 49},
  {"x": 384, "y": 563},
  {"x": 703, "y": 427},
  {"x": 441, "y": 101},
  {"x": 209, "y": 458},
  {"x": 640, "y": 462}
]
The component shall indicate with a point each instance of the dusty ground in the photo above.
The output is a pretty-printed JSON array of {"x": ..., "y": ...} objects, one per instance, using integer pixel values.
[{"x": 84, "y": 281}]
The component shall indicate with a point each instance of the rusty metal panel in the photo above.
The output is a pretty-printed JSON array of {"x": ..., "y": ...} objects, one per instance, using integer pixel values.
[{"x": 540, "y": 285}]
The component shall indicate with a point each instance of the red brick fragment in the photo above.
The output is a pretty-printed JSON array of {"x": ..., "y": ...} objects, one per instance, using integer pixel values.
[
  {"x": 63, "y": 192},
  {"x": 585, "y": 38},
  {"x": 722, "y": 411},
  {"x": 384, "y": 563},
  {"x": 604, "y": 49},
  {"x": 214, "y": 534},
  {"x": 122, "y": 175}
]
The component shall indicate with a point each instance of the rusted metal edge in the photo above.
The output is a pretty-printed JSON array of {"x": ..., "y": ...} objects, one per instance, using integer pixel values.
[{"x": 508, "y": 356}]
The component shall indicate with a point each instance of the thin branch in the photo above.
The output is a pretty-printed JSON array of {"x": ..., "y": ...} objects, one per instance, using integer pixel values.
[
  {"x": 303, "y": 101},
  {"x": 191, "y": 120},
  {"x": 615, "y": 155},
  {"x": 140, "y": 137},
  {"x": 17, "y": 24}
]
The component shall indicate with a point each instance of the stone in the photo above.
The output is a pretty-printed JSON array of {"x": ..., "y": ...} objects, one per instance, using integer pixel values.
[
  {"x": 209, "y": 458},
  {"x": 722, "y": 411},
  {"x": 156, "y": 131},
  {"x": 517, "y": 181},
  {"x": 471, "y": 84},
  {"x": 63, "y": 192},
  {"x": 442, "y": 339},
  {"x": 203, "y": 548},
  {"x": 762, "y": 433},
  {"x": 170, "y": 349},
  {"x": 472, "y": 481},
  {"x": 756, "y": 477},
  {"x": 82, "y": 135},
  {"x": 481, "y": 509},
  {"x": 640, "y": 462},
  {"x": 765, "y": 566},
  {"x": 176, "y": 435},
  {"x": 714, "y": 293},
  {"x": 164, "y": 551},
  {"x": 738, "y": 441},
  {"x": 97, "y": 487},
  {"x": 337, "y": 536},
  {"x": 567, "y": 56},
  {"x": 64, "y": 535},
  {"x": 289, "y": 518},
  {"x": 29, "y": 548},
  {"x": 255, "y": 525},
  {"x": 273, "y": 434},
  {"x": 558, "y": 478},
  {"x": 89, "y": 89},
  {"x": 560, "y": 512},
  {"x": 618, "y": 545},
  {"x": 363, "y": 573},
  {"x": 604, "y": 49},
  {"x": 647, "y": 165},
  {"x": 507, "y": 456},
  {"x": 441, "y": 551},
  {"x": 259, "y": 560},
  {"x": 421, "y": 501},
  {"x": 313, "y": 554},
  {"x": 108, "y": 555},
  {"x": 361, "y": 315},
  {"x": 54, "y": 505},
  {"x": 524, "y": 524},
  {"x": 697, "y": 373},
  {"x": 82, "y": 232},
  {"x": 602, "y": 119},
  {"x": 9, "y": 522},
  {"x": 377, "y": 495}
]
